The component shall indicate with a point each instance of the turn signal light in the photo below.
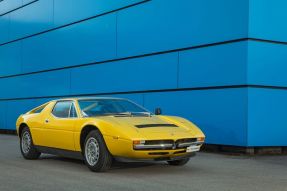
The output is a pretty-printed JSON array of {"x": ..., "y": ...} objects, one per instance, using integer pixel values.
[
  {"x": 138, "y": 142},
  {"x": 201, "y": 139}
]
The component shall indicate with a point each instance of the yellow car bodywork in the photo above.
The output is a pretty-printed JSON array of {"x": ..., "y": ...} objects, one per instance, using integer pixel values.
[{"x": 119, "y": 133}]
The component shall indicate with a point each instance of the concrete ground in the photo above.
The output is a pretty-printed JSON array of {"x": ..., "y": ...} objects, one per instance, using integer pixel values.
[{"x": 204, "y": 172}]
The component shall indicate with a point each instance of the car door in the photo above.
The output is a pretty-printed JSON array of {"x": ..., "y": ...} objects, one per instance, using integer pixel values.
[{"x": 59, "y": 126}]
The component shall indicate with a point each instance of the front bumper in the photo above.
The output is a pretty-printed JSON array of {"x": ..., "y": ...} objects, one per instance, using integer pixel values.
[
  {"x": 162, "y": 158},
  {"x": 123, "y": 148}
]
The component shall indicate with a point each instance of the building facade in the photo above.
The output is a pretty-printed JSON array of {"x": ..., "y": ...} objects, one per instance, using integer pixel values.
[{"x": 219, "y": 63}]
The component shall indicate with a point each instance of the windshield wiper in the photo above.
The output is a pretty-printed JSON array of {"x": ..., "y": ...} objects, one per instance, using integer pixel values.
[
  {"x": 142, "y": 113},
  {"x": 126, "y": 114},
  {"x": 123, "y": 113},
  {"x": 131, "y": 114}
]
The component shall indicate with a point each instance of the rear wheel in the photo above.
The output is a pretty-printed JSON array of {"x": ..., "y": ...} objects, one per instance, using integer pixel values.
[
  {"x": 27, "y": 147},
  {"x": 96, "y": 154},
  {"x": 180, "y": 162}
]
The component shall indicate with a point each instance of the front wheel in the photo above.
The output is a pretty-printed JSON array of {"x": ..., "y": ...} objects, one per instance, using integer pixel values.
[
  {"x": 180, "y": 162},
  {"x": 96, "y": 155},
  {"x": 27, "y": 147}
]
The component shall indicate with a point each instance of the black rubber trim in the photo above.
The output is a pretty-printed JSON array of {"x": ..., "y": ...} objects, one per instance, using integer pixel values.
[
  {"x": 155, "y": 125},
  {"x": 158, "y": 153},
  {"x": 60, "y": 152}
]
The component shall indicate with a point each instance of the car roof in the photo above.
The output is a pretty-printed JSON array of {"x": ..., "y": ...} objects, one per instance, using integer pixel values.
[{"x": 86, "y": 98}]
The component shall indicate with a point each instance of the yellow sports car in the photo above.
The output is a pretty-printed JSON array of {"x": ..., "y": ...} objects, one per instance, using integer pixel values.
[{"x": 99, "y": 130}]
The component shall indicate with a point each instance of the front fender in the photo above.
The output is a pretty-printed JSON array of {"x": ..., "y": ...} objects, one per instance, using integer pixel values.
[
  {"x": 110, "y": 132},
  {"x": 184, "y": 123}
]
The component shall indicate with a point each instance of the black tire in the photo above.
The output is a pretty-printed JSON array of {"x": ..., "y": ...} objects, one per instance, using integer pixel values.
[
  {"x": 30, "y": 153},
  {"x": 180, "y": 162},
  {"x": 104, "y": 158}
]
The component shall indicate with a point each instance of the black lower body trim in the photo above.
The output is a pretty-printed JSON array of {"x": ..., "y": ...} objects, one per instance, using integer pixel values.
[{"x": 60, "y": 152}]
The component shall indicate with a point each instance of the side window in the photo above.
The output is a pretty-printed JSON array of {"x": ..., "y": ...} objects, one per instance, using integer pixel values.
[
  {"x": 39, "y": 110},
  {"x": 73, "y": 112},
  {"x": 62, "y": 109}
]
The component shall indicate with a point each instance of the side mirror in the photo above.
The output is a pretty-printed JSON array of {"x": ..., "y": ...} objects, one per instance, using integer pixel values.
[{"x": 157, "y": 111}]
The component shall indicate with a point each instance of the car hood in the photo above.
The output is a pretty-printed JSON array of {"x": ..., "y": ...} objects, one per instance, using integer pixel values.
[{"x": 153, "y": 127}]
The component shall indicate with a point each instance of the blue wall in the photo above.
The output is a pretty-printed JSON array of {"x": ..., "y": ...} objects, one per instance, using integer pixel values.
[{"x": 192, "y": 58}]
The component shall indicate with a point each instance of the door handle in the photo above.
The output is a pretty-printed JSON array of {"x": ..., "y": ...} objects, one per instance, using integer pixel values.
[{"x": 47, "y": 121}]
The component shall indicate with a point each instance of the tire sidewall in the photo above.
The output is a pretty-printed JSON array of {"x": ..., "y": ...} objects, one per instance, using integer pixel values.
[
  {"x": 32, "y": 153},
  {"x": 104, "y": 155}
]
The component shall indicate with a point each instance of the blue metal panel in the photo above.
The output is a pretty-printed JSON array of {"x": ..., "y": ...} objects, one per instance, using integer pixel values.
[
  {"x": 41, "y": 101},
  {"x": 10, "y": 87},
  {"x": 4, "y": 28},
  {"x": 170, "y": 24},
  {"x": 148, "y": 73},
  {"x": 36, "y": 85},
  {"x": 221, "y": 114},
  {"x": 31, "y": 19},
  {"x": 267, "y": 117},
  {"x": 267, "y": 19},
  {"x": 27, "y": 1},
  {"x": 46, "y": 84},
  {"x": 137, "y": 98},
  {"x": 267, "y": 64},
  {"x": 10, "y": 65},
  {"x": 8, "y": 5},
  {"x": 89, "y": 41},
  {"x": 3, "y": 115},
  {"x": 65, "y": 9},
  {"x": 213, "y": 66}
]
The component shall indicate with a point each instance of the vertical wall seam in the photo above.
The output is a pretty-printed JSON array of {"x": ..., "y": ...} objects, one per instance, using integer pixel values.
[
  {"x": 177, "y": 73},
  {"x": 116, "y": 34},
  {"x": 5, "y": 115},
  {"x": 21, "y": 57},
  {"x": 70, "y": 82},
  {"x": 247, "y": 73},
  {"x": 248, "y": 17},
  {"x": 53, "y": 17},
  {"x": 9, "y": 28},
  {"x": 247, "y": 82},
  {"x": 143, "y": 99}
]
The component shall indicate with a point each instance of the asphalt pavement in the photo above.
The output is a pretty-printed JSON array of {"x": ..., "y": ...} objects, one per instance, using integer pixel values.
[{"x": 206, "y": 171}]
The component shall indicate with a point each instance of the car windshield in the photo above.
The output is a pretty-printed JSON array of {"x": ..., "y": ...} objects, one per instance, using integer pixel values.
[{"x": 118, "y": 107}]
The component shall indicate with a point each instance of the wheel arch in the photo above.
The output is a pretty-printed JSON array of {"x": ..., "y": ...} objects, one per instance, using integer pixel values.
[
  {"x": 21, "y": 127},
  {"x": 84, "y": 133}
]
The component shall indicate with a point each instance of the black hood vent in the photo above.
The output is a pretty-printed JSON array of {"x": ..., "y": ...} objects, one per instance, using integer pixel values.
[{"x": 155, "y": 125}]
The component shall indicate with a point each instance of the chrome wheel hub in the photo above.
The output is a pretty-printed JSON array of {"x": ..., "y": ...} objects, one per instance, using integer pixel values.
[
  {"x": 26, "y": 142},
  {"x": 92, "y": 151}
]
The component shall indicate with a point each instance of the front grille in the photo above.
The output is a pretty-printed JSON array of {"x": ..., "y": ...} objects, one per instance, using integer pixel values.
[
  {"x": 183, "y": 143},
  {"x": 167, "y": 144},
  {"x": 158, "y": 153},
  {"x": 158, "y": 142},
  {"x": 189, "y": 140}
]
